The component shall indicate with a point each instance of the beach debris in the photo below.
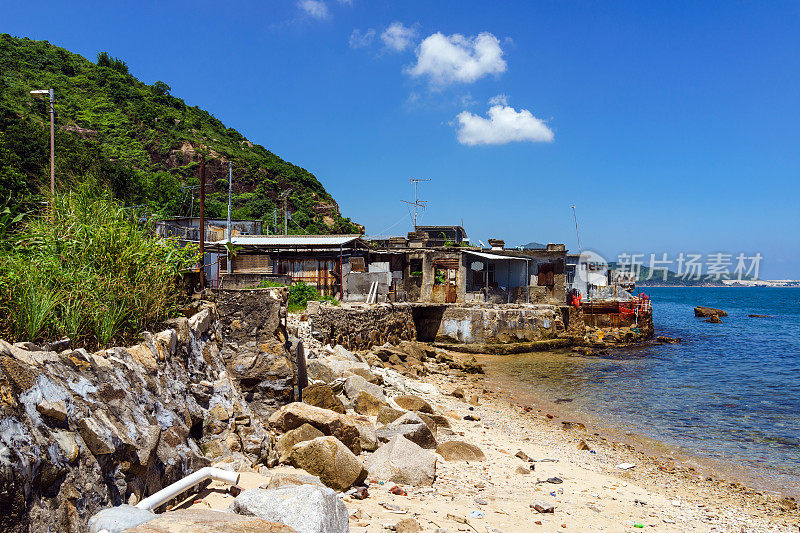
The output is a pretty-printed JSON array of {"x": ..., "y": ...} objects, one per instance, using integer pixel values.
[
  {"x": 549, "y": 416},
  {"x": 554, "y": 480},
  {"x": 359, "y": 493},
  {"x": 481, "y": 501},
  {"x": 522, "y": 470},
  {"x": 563, "y": 400},
  {"x": 543, "y": 507},
  {"x": 625, "y": 466},
  {"x": 458, "y": 392},
  {"x": 396, "y": 490},
  {"x": 472, "y": 418},
  {"x": 392, "y": 508},
  {"x": 456, "y": 518},
  {"x": 583, "y": 446},
  {"x": 474, "y": 400},
  {"x": 572, "y": 425},
  {"x": 638, "y": 525},
  {"x": 522, "y": 455},
  {"x": 546, "y": 460},
  {"x": 476, "y": 514},
  {"x": 639, "y": 502},
  {"x": 676, "y": 502}
]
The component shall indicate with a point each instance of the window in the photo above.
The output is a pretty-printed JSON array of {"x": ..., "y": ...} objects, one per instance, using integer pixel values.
[{"x": 415, "y": 268}]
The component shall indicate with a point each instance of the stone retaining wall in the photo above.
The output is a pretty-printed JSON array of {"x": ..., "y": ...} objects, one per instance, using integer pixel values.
[
  {"x": 360, "y": 328},
  {"x": 495, "y": 324}
]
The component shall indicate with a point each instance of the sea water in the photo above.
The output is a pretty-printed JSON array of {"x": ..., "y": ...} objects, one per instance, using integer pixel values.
[{"x": 729, "y": 392}]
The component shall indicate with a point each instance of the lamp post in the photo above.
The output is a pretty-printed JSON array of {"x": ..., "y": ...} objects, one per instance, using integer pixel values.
[{"x": 51, "y": 93}]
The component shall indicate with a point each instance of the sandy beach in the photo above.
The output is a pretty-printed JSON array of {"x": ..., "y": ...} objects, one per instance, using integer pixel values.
[{"x": 612, "y": 486}]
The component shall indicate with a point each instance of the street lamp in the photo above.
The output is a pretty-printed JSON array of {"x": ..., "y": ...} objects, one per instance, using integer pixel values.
[{"x": 51, "y": 93}]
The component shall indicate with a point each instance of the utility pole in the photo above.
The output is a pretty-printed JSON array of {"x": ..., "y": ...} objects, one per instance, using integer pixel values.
[
  {"x": 202, "y": 220},
  {"x": 230, "y": 185},
  {"x": 578, "y": 235},
  {"x": 285, "y": 195},
  {"x": 417, "y": 203},
  {"x": 52, "y": 95}
]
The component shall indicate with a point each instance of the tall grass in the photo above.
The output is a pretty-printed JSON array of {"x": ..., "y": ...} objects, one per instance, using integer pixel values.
[{"x": 87, "y": 270}]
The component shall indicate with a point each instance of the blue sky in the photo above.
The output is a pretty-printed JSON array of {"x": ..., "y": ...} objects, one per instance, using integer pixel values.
[{"x": 671, "y": 126}]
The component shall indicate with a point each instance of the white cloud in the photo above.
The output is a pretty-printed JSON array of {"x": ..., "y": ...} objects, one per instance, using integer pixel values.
[
  {"x": 500, "y": 99},
  {"x": 361, "y": 40},
  {"x": 398, "y": 37},
  {"x": 315, "y": 8},
  {"x": 503, "y": 125},
  {"x": 455, "y": 58}
]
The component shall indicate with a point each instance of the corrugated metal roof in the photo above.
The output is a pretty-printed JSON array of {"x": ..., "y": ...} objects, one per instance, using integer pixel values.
[
  {"x": 290, "y": 240},
  {"x": 496, "y": 257}
]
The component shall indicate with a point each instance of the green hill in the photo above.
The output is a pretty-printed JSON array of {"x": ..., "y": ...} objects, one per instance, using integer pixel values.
[{"x": 138, "y": 140}]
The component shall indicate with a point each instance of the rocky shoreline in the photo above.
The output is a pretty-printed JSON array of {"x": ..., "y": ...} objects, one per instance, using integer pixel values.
[
  {"x": 424, "y": 445},
  {"x": 406, "y": 437}
]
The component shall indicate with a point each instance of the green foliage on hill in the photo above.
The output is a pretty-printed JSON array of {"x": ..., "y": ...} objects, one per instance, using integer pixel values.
[
  {"x": 137, "y": 140},
  {"x": 87, "y": 270}
]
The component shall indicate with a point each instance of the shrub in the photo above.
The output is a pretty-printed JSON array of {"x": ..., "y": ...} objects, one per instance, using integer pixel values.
[
  {"x": 87, "y": 270},
  {"x": 300, "y": 294}
]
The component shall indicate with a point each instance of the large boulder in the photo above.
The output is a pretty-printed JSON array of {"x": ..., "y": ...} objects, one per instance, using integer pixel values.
[
  {"x": 389, "y": 414},
  {"x": 208, "y": 521},
  {"x": 287, "y": 441},
  {"x": 329, "y": 459},
  {"x": 411, "y": 402},
  {"x": 708, "y": 311},
  {"x": 412, "y": 427},
  {"x": 354, "y": 384},
  {"x": 323, "y": 396},
  {"x": 402, "y": 461},
  {"x": 306, "y": 508},
  {"x": 455, "y": 450},
  {"x": 328, "y": 422},
  {"x": 367, "y": 404},
  {"x": 285, "y": 479}
]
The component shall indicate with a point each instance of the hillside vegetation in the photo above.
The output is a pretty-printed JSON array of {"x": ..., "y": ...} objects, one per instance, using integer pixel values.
[{"x": 138, "y": 141}]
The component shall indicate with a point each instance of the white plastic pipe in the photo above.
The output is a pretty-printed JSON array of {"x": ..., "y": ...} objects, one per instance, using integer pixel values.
[{"x": 167, "y": 493}]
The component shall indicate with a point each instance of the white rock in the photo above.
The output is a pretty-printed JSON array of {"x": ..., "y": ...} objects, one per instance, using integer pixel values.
[{"x": 306, "y": 508}]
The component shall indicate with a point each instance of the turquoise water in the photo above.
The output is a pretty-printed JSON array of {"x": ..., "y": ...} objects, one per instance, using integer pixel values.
[{"x": 729, "y": 391}]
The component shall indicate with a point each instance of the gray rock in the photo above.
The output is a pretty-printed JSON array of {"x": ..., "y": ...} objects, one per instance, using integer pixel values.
[
  {"x": 306, "y": 508},
  {"x": 402, "y": 461},
  {"x": 353, "y": 384},
  {"x": 200, "y": 322},
  {"x": 118, "y": 519},
  {"x": 286, "y": 479},
  {"x": 55, "y": 410},
  {"x": 319, "y": 371},
  {"x": 411, "y": 426}
]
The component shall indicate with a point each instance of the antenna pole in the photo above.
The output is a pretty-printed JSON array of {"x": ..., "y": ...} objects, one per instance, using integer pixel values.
[
  {"x": 417, "y": 203},
  {"x": 578, "y": 235}
]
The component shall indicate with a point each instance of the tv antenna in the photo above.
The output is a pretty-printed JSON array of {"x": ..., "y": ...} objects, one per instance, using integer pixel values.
[
  {"x": 578, "y": 235},
  {"x": 417, "y": 203}
]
